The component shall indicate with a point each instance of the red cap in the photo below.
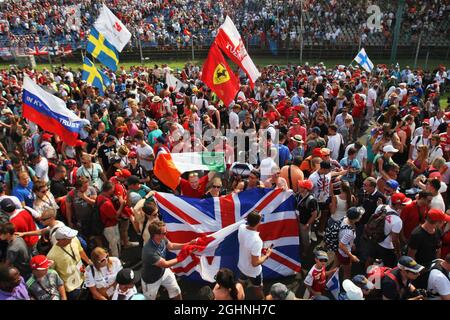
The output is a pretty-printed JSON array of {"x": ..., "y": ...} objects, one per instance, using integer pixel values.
[
  {"x": 123, "y": 173},
  {"x": 301, "y": 90},
  {"x": 317, "y": 152},
  {"x": 40, "y": 262},
  {"x": 132, "y": 154},
  {"x": 427, "y": 121},
  {"x": 80, "y": 143},
  {"x": 47, "y": 137},
  {"x": 400, "y": 198},
  {"x": 438, "y": 215},
  {"x": 306, "y": 184},
  {"x": 415, "y": 109},
  {"x": 295, "y": 121},
  {"x": 435, "y": 175},
  {"x": 70, "y": 163},
  {"x": 152, "y": 124}
]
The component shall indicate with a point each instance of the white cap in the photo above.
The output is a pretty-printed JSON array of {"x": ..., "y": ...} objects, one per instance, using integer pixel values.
[
  {"x": 65, "y": 233},
  {"x": 353, "y": 291},
  {"x": 389, "y": 148}
]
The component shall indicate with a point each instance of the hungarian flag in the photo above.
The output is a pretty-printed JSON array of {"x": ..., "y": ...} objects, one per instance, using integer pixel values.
[
  {"x": 230, "y": 41},
  {"x": 169, "y": 166},
  {"x": 219, "y": 77}
]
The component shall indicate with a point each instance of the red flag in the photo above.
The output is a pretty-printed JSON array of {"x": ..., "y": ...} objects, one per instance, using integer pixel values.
[
  {"x": 218, "y": 76},
  {"x": 186, "y": 32}
]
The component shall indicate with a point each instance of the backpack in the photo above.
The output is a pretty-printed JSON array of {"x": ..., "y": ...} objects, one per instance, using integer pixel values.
[
  {"x": 341, "y": 148},
  {"x": 377, "y": 274},
  {"x": 374, "y": 228},
  {"x": 331, "y": 237},
  {"x": 97, "y": 225}
]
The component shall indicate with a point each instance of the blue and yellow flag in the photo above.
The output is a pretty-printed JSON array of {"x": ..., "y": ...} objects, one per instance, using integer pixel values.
[
  {"x": 102, "y": 50},
  {"x": 94, "y": 76}
]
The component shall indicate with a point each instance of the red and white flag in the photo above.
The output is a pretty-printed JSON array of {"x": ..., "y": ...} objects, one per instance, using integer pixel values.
[{"x": 230, "y": 41}]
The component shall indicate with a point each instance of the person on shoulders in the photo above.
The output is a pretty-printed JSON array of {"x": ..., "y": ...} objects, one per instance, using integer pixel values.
[{"x": 227, "y": 288}]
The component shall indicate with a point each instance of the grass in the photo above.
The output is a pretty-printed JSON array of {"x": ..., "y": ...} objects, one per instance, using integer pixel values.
[{"x": 178, "y": 64}]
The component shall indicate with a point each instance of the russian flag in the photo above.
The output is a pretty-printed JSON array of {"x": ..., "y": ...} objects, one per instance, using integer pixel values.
[{"x": 50, "y": 112}]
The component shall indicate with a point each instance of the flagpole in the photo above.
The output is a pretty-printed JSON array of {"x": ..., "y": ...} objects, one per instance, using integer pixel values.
[
  {"x": 301, "y": 31},
  {"x": 192, "y": 38}
]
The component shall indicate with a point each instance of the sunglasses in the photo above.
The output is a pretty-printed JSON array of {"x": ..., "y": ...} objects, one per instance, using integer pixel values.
[
  {"x": 323, "y": 260},
  {"x": 104, "y": 259},
  {"x": 217, "y": 187}
]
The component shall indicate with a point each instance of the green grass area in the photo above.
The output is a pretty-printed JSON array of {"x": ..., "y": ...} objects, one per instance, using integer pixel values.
[{"x": 178, "y": 64}]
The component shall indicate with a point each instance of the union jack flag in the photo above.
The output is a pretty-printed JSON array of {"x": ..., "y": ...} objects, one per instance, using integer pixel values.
[{"x": 216, "y": 221}]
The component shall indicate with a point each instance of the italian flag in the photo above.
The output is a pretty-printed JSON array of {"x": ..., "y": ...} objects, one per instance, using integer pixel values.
[{"x": 170, "y": 166}]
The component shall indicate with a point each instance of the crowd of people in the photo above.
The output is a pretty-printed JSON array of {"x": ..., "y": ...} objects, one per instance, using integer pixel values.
[
  {"x": 366, "y": 154},
  {"x": 172, "y": 24}
]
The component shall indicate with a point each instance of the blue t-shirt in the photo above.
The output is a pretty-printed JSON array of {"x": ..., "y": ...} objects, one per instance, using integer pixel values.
[
  {"x": 24, "y": 194},
  {"x": 284, "y": 154},
  {"x": 346, "y": 163}
]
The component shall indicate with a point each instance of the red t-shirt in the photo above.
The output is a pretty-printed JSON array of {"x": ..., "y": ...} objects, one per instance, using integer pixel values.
[
  {"x": 119, "y": 190},
  {"x": 445, "y": 141},
  {"x": 410, "y": 217},
  {"x": 23, "y": 221},
  {"x": 358, "y": 108},
  {"x": 316, "y": 279},
  {"x": 187, "y": 190},
  {"x": 108, "y": 214}
]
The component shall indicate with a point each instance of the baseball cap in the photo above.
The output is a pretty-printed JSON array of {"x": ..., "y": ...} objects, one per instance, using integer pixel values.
[
  {"x": 438, "y": 215},
  {"x": 315, "y": 130},
  {"x": 389, "y": 148},
  {"x": 46, "y": 137},
  {"x": 65, "y": 233},
  {"x": 306, "y": 184},
  {"x": 352, "y": 290},
  {"x": 279, "y": 291},
  {"x": 127, "y": 276},
  {"x": 409, "y": 264},
  {"x": 40, "y": 262},
  {"x": 355, "y": 212},
  {"x": 295, "y": 121},
  {"x": 123, "y": 173},
  {"x": 393, "y": 184},
  {"x": 321, "y": 254},
  {"x": 7, "y": 205},
  {"x": 317, "y": 152},
  {"x": 362, "y": 282},
  {"x": 152, "y": 124},
  {"x": 400, "y": 198},
  {"x": 132, "y": 154},
  {"x": 325, "y": 152}
]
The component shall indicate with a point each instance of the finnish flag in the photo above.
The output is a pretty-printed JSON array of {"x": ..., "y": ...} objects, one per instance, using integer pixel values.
[
  {"x": 333, "y": 285},
  {"x": 363, "y": 60}
]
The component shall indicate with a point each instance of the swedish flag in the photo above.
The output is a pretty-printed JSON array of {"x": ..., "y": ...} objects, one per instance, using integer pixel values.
[
  {"x": 94, "y": 76},
  {"x": 102, "y": 50}
]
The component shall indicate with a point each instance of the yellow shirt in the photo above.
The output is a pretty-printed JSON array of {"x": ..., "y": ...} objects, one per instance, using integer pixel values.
[{"x": 67, "y": 262}]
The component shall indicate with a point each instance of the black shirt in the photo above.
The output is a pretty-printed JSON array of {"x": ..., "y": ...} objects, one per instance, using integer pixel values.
[
  {"x": 426, "y": 245},
  {"x": 370, "y": 203},
  {"x": 105, "y": 152},
  {"x": 59, "y": 188},
  {"x": 306, "y": 207},
  {"x": 395, "y": 290}
]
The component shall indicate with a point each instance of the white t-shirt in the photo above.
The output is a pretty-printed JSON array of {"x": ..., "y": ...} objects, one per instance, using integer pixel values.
[
  {"x": 371, "y": 97},
  {"x": 438, "y": 203},
  {"x": 321, "y": 183},
  {"x": 346, "y": 237},
  {"x": 93, "y": 174},
  {"x": 435, "y": 123},
  {"x": 446, "y": 175},
  {"x": 434, "y": 152},
  {"x": 334, "y": 143},
  {"x": 250, "y": 244},
  {"x": 104, "y": 277},
  {"x": 41, "y": 169},
  {"x": 234, "y": 121},
  {"x": 360, "y": 155},
  {"x": 417, "y": 141},
  {"x": 128, "y": 295},
  {"x": 394, "y": 224},
  {"x": 438, "y": 284},
  {"x": 145, "y": 151},
  {"x": 266, "y": 167}
]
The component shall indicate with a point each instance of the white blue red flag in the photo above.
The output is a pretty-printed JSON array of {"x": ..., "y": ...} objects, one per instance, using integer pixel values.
[
  {"x": 215, "y": 221},
  {"x": 50, "y": 112},
  {"x": 333, "y": 285}
]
